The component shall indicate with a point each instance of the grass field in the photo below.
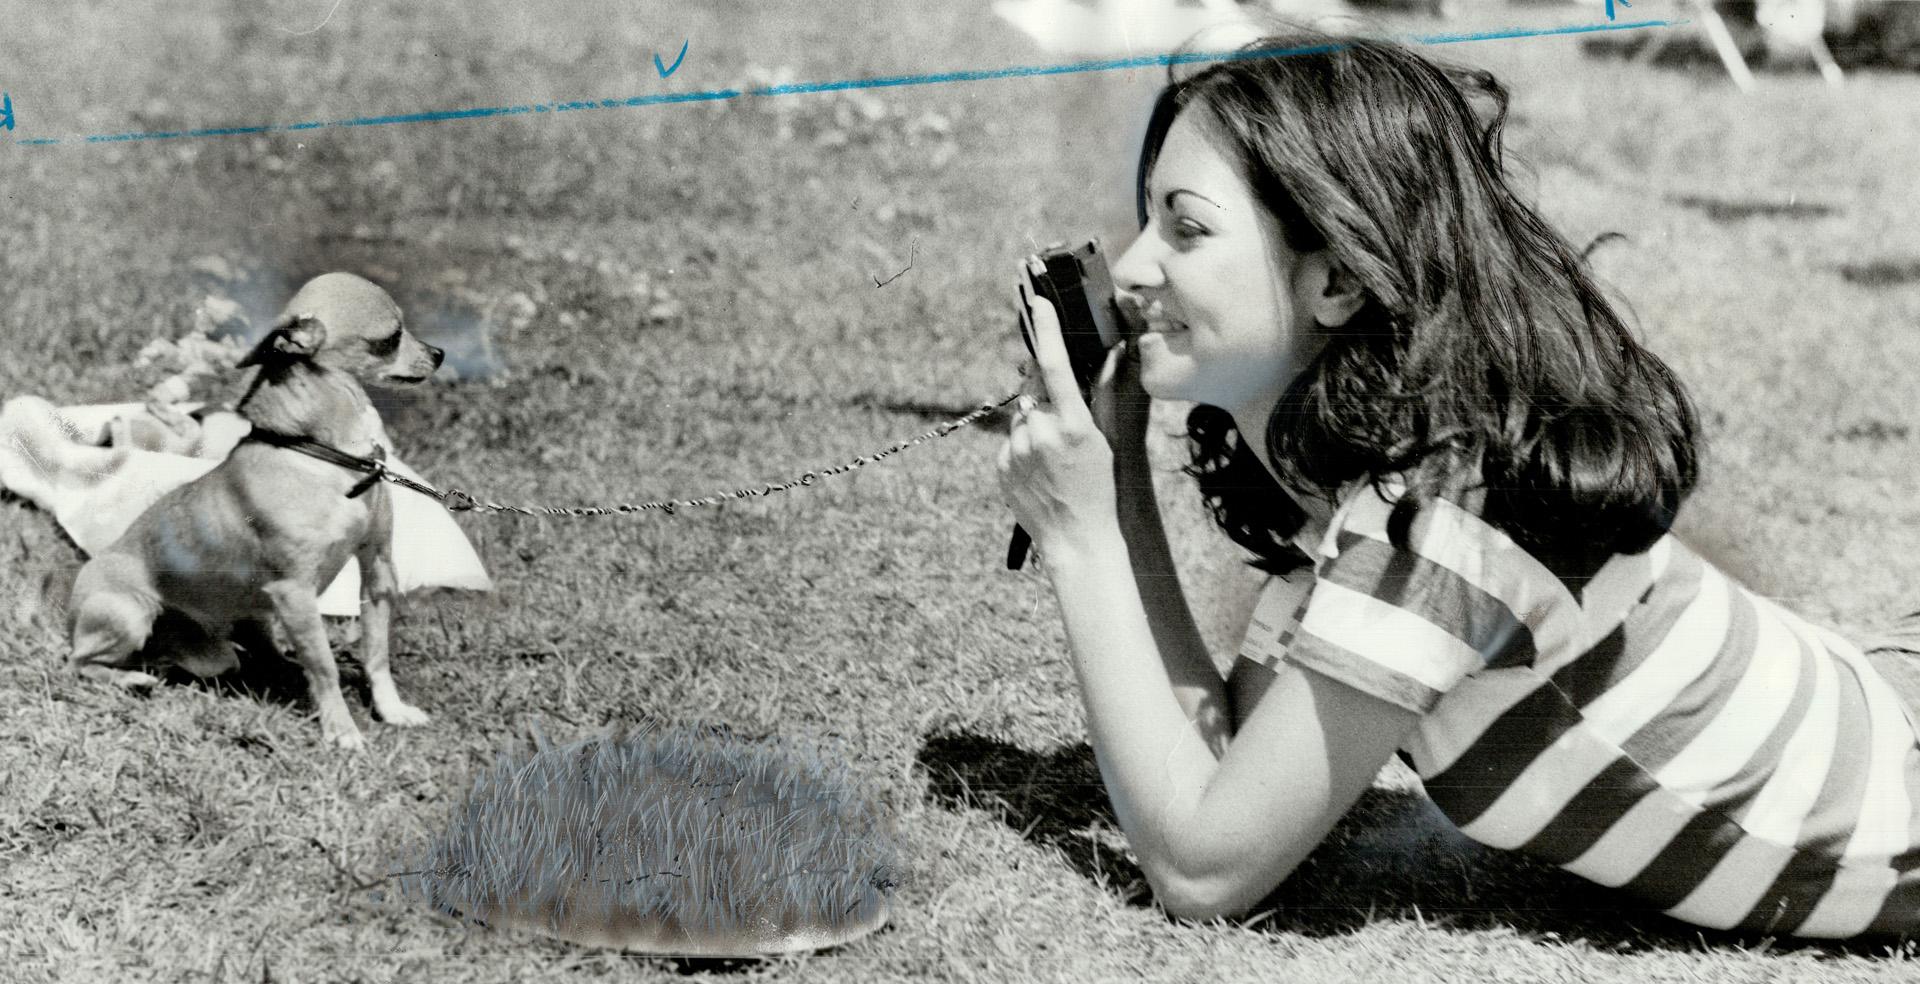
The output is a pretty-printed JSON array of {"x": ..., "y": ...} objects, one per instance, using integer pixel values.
[{"x": 672, "y": 299}]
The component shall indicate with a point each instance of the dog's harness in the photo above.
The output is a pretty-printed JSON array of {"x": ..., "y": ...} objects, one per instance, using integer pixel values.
[{"x": 375, "y": 469}]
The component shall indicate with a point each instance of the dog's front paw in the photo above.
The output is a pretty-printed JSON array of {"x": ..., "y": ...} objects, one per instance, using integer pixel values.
[
  {"x": 402, "y": 715},
  {"x": 340, "y": 732},
  {"x": 133, "y": 680}
]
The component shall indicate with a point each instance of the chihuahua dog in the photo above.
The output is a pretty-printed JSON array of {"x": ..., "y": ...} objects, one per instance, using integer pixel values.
[{"x": 252, "y": 543}]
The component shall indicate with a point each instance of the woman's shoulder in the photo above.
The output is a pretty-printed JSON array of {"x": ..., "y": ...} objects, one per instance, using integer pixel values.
[{"x": 1448, "y": 531}]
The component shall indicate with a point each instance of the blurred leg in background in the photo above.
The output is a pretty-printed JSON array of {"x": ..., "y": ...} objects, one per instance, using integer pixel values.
[{"x": 1896, "y": 654}]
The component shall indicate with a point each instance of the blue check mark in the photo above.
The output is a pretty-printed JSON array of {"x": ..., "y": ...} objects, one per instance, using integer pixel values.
[{"x": 666, "y": 70}]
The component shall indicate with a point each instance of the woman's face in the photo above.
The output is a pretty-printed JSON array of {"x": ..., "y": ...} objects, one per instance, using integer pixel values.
[{"x": 1227, "y": 307}]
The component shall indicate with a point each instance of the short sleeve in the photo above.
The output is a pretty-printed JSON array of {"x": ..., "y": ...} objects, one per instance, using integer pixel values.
[
  {"x": 1404, "y": 625},
  {"x": 1276, "y": 615}
]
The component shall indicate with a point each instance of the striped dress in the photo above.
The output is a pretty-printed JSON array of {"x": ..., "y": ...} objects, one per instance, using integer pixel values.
[{"x": 1661, "y": 730}]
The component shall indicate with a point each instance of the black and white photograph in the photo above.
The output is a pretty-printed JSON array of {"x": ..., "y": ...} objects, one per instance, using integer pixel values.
[{"x": 1175, "y": 491}]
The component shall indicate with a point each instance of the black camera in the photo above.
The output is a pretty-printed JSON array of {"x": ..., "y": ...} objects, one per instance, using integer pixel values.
[
  {"x": 1080, "y": 289},
  {"x": 1077, "y": 284}
]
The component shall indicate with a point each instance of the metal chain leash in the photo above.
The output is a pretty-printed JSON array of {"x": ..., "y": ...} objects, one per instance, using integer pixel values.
[{"x": 455, "y": 500}]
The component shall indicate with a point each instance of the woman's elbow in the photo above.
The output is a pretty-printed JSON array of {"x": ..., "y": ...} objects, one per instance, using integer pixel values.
[{"x": 1201, "y": 899}]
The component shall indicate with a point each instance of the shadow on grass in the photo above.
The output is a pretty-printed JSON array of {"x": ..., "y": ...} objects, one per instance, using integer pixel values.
[
  {"x": 272, "y": 679},
  {"x": 653, "y": 964},
  {"x": 267, "y": 672},
  {"x": 1393, "y": 856},
  {"x": 1882, "y": 273},
  {"x": 1735, "y": 210}
]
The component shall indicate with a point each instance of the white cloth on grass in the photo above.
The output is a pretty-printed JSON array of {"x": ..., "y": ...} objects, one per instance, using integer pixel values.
[{"x": 51, "y": 456}]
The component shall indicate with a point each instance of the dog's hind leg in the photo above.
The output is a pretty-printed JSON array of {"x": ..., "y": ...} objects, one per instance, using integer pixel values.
[
  {"x": 109, "y": 627},
  {"x": 299, "y": 611},
  {"x": 379, "y": 591}
]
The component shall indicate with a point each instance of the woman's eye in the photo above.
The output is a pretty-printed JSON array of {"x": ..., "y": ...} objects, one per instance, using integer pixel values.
[{"x": 1188, "y": 229}]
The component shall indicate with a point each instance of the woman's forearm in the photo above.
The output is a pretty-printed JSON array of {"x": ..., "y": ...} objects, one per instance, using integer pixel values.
[
  {"x": 1213, "y": 833},
  {"x": 1152, "y": 752},
  {"x": 1196, "y": 683}
]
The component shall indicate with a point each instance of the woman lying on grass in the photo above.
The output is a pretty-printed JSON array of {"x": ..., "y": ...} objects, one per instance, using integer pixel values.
[{"x": 1416, "y": 405}]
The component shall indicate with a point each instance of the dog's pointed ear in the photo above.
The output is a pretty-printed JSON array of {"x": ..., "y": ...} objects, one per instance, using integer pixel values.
[{"x": 295, "y": 335}]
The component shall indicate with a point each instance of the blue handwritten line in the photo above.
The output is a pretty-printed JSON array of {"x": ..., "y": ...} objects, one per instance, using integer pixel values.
[{"x": 936, "y": 78}]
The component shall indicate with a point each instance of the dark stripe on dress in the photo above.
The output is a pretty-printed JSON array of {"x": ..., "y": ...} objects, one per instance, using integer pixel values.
[
  {"x": 1800, "y": 886},
  {"x": 1686, "y": 860},
  {"x": 1465, "y": 789},
  {"x": 1910, "y": 858},
  {"x": 1435, "y": 593},
  {"x": 1591, "y": 812},
  {"x": 1734, "y": 795},
  {"x": 1638, "y": 635},
  {"x": 1910, "y": 775},
  {"x": 1794, "y": 894},
  {"x": 1836, "y": 811},
  {"x": 1900, "y": 913},
  {"x": 1702, "y": 699},
  {"x": 1690, "y": 857}
]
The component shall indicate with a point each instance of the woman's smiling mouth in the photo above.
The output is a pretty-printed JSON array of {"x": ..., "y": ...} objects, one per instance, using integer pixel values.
[{"x": 1154, "y": 321}]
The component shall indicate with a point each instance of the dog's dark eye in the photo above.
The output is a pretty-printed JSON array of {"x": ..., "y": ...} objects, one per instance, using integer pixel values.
[{"x": 386, "y": 346}]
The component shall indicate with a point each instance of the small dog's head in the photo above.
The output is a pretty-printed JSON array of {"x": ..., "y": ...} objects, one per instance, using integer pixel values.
[{"x": 341, "y": 321}]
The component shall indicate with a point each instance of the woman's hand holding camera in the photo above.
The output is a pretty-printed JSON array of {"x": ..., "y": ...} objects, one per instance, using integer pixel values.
[{"x": 1056, "y": 469}]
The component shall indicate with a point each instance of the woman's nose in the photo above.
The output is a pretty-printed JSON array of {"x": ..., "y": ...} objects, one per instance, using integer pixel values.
[{"x": 1138, "y": 268}]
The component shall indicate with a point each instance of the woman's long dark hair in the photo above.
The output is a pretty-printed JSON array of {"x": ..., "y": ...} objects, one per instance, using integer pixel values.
[{"x": 1484, "y": 364}]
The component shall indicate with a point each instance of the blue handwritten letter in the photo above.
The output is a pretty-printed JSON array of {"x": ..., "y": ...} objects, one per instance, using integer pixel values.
[
  {"x": 663, "y": 68},
  {"x": 6, "y": 110}
]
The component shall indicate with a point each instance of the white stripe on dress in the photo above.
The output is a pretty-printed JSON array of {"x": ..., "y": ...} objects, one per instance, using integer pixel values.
[
  {"x": 1389, "y": 636},
  {"x": 1735, "y": 885},
  {"x": 1543, "y": 789},
  {"x": 1886, "y": 811},
  {"x": 1661, "y": 555},
  {"x": 1772, "y": 820},
  {"x": 1779, "y": 810},
  {"x": 1881, "y": 830},
  {"x": 1564, "y": 768},
  {"x": 1851, "y": 903},
  {"x": 1465, "y": 713},
  {"x": 1687, "y": 652},
  {"x": 1759, "y": 700},
  {"x": 1486, "y": 558}
]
